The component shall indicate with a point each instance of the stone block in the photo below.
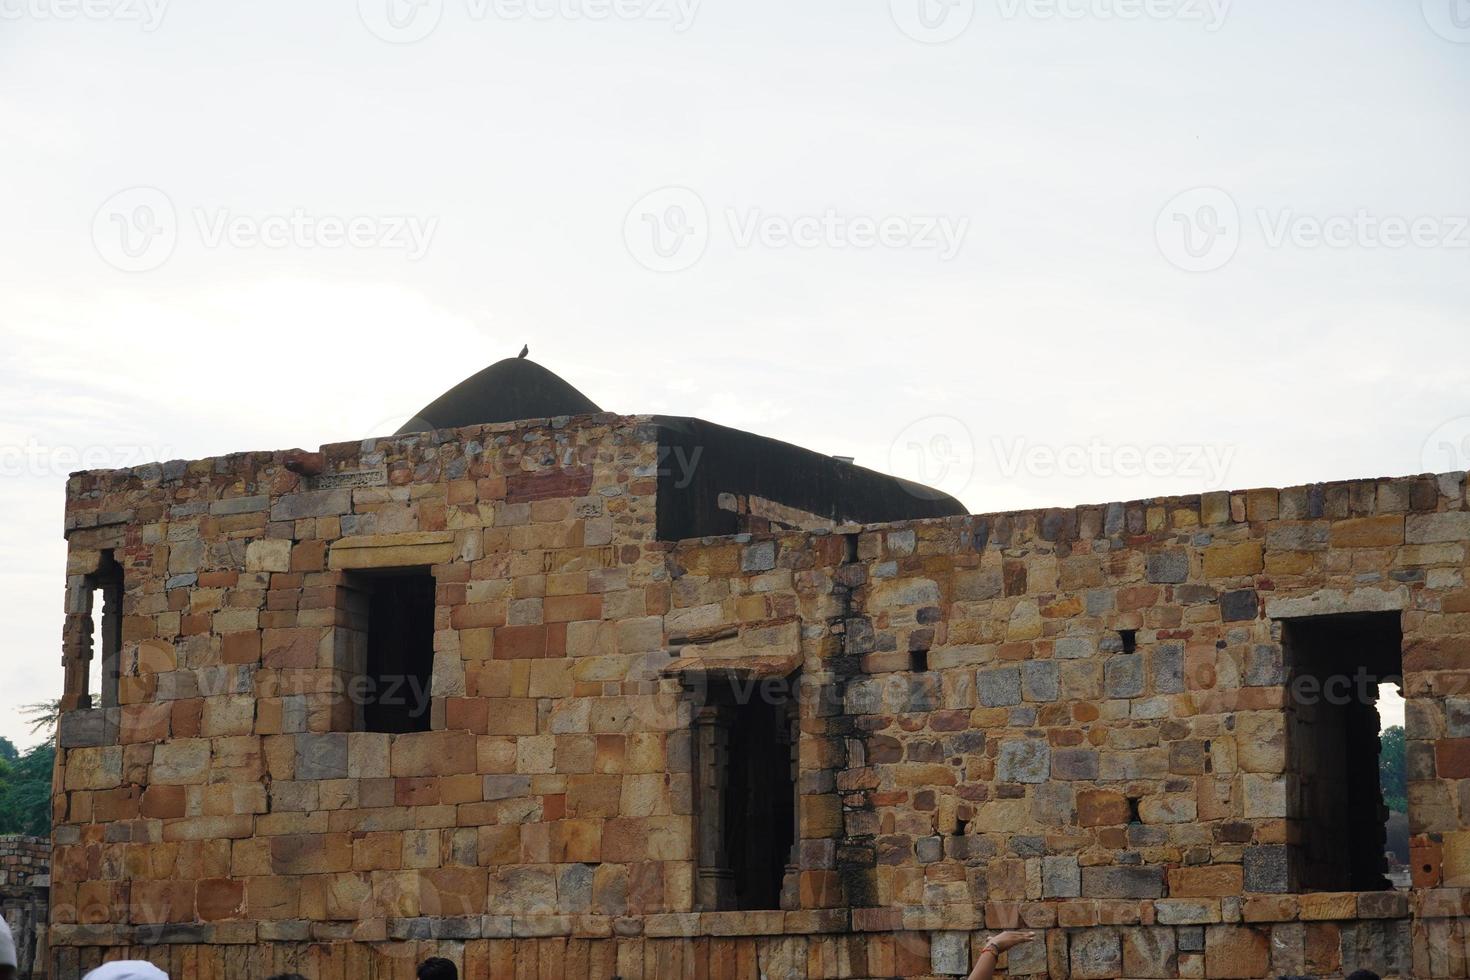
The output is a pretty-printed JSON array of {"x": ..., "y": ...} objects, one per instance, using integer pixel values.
[
  {"x": 1168, "y": 567},
  {"x": 1235, "y": 951},
  {"x": 321, "y": 756},
  {"x": 1039, "y": 680},
  {"x": 1060, "y": 877},
  {"x": 1122, "y": 882},
  {"x": 1266, "y": 868},
  {"x": 1096, "y": 954},
  {"x": 1023, "y": 761},
  {"x": 1123, "y": 676},
  {"x": 1150, "y": 952},
  {"x": 999, "y": 687}
]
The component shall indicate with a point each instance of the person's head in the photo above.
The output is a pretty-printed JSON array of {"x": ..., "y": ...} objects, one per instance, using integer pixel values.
[
  {"x": 1363, "y": 975},
  {"x": 437, "y": 968},
  {"x": 127, "y": 970}
]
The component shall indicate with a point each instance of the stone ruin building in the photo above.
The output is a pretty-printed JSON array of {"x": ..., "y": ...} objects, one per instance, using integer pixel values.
[
  {"x": 25, "y": 885},
  {"x": 697, "y": 703}
]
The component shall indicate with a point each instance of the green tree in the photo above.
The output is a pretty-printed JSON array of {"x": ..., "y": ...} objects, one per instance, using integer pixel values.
[
  {"x": 8, "y": 751},
  {"x": 25, "y": 792},
  {"x": 1392, "y": 774}
]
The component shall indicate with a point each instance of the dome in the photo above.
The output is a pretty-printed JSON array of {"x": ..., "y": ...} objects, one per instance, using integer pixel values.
[{"x": 506, "y": 391}]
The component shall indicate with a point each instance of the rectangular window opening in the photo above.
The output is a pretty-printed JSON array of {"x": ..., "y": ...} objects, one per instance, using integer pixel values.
[
  {"x": 746, "y": 735},
  {"x": 106, "y": 586},
  {"x": 1340, "y": 669},
  {"x": 393, "y": 612}
]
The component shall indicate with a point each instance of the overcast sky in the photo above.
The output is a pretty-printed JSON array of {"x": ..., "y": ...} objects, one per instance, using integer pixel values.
[{"x": 1035, "y": 251}]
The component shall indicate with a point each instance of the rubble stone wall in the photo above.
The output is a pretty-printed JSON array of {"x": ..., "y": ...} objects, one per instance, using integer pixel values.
[{"x": 1073, "y": 720}]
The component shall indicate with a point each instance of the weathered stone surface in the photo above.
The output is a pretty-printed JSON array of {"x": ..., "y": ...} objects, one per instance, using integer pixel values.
[
  {"x": 1024, "y": 761},
  {"x": 1060, "y": 877},
  {"x": 1052, "y": 718},
  {"x": 1122, "y": 882}
]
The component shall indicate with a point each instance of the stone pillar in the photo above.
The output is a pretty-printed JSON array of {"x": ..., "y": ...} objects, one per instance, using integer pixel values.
[
  {"x": 715, "y": 885},
  {"x": 76, "y": 646},
  {"x": 111, "y": 644},
  {"x": 791, "y": 878}
]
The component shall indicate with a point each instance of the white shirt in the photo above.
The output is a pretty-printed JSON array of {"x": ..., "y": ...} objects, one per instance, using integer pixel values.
[
  {"x": 7, "y": 945},
  {"x": 129, "y": 970}
]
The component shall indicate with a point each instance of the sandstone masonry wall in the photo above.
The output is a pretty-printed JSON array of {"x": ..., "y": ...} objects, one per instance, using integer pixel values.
[{"x": 980, "y": 743}]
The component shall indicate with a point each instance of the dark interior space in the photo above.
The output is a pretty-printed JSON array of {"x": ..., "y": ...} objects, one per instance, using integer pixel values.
[
  {"x": 400, "y": 650},
  {"x": 759, "y": 798},
  {"x": 1336, "y": 664}
]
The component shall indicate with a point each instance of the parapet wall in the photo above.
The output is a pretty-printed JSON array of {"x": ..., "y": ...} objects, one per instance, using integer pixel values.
[{"x": 1075, "y": 719}]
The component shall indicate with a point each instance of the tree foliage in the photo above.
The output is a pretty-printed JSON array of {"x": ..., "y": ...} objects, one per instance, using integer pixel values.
[
  {"x": 1392, "y": 774},
  {"x": 25, "y": 792}
]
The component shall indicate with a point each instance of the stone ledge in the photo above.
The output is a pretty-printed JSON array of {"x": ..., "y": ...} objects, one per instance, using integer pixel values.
[{"x": 1071, "y": 914}]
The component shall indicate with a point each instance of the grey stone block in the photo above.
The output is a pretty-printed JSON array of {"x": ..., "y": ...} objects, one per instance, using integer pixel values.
[
  {"x": 1024, "y": 761},
  {"x": 1123, "y": 676},
  {"x": 1191, "y": 939},
  {"x": 1168, "y": 567},
  {"x": 1060, "y": 877},
  {"x": 1166, "y": 666},
  {"x": 311, "y": 503},
  {"x": 1000, "y": 686},
  {"x": 1122, "y": 882},
  {"x": 1265, "y": 666},
  {"x": 1096, "y": 953},
  {"x": 1074, "y": 764},
  {"x": 928, "y": 849},
  {"x": 1239, "y": 606},
  {"x": 506, "y": 787},
  {"x": 321, "y": 756},
  {"x": 949, "y": 954},
  {"x": 1267, "y": 868},
  {"x": 1039, "y": 680},
  {"x": 758, "y": 557}
]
